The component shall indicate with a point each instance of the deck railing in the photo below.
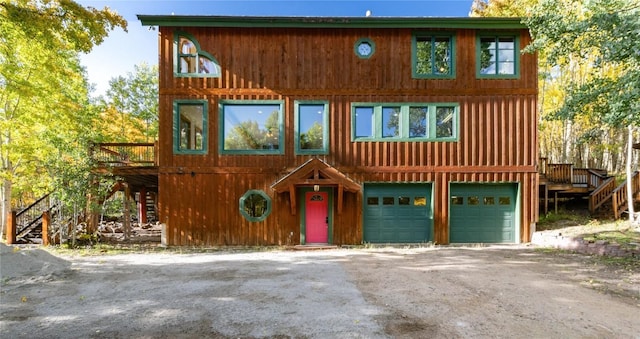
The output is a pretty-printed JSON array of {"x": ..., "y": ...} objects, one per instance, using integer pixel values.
[
  {"x": 589, "y": 177},
  {"x": 559, "y": 173},
  {"x": 125, "y": 154}
]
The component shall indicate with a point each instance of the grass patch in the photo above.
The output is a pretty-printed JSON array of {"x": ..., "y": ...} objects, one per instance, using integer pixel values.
[
  {"x": 622, "y": 237},
  {"x": 561, "y": 219}
]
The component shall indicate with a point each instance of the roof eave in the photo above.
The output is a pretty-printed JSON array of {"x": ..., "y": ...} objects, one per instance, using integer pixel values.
[{"x": 330, "y": 22}]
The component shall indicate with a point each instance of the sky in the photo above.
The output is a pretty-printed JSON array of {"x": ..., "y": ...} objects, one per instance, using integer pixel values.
[{"x": 121, "y": 51}]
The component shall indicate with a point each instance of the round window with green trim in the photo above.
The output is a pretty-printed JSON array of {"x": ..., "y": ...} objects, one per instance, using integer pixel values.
[
  {"x": 364, "y": 48},
  {"x": 255, "y": 205}
]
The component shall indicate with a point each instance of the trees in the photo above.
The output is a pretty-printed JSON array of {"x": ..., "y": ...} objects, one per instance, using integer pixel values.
[
  {"x": 44, "y": 108},
  {"x": 606, "y": 34},
  {"x": 589, "y": 55},
  {"x": 136, "y": 98}
]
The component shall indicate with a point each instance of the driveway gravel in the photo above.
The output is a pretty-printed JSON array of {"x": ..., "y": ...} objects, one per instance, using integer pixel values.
[{"x": 448, "y": 292}]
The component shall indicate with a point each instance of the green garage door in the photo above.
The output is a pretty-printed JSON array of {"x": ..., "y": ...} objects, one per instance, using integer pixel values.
[
  {"x": 397, "y": 213},
  {"x": 484, "y": 213}
]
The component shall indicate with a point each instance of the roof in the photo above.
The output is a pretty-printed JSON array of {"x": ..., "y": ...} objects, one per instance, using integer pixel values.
[
  {"x": 315, "y": 171},
  {"x": 330, "y": 22}
]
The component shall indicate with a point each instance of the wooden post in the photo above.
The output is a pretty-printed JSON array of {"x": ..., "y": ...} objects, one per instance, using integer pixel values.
[
  {"x": 142, "y": 206},
  {"x": 46, "y": 221},
  {"x": 126, "y": 222},
  {"x": 93, "y": 214},
  {"x": 11, "y": 228}
]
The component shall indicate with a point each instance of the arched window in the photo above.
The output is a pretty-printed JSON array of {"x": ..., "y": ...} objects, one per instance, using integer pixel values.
[{"x": 190, "y": 60}]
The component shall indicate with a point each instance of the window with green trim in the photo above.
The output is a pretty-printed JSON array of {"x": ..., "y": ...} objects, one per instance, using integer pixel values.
[
  {"x": 311, "y": 127},
  {"x": 251, "y": 127},
  {"x": 255, "y": 205},
  {"x": 190, "y": 126},
  {"x": 497, "y": 56},
  {"x": 190, "y": 60},
  {"x": 433, "y": 56},
  {"x": 404, "y": 121}
]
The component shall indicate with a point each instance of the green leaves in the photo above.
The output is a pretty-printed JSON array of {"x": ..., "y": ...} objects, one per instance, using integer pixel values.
[
  {"x": 603, "y": 36},
  {"x": 61, "y": 24},
  {"x": 137, "y": 95},
  {"x": 45, "y": 113}
]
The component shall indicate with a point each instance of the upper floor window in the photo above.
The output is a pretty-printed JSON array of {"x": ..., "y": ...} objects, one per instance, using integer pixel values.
[
  {"x": 190, "y": 60},
  {"x": 497, "y": 56},
  {"x": 251, "y": 127},
  {"x": 404, "y": 122},
  {"x": 311, "y": 127},
  {"x": 190, "y": 126},
  {"x": 433, "y": 56}
]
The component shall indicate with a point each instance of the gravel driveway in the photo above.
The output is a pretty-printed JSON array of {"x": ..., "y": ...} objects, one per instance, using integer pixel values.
[{"x": 376, "y": 293}]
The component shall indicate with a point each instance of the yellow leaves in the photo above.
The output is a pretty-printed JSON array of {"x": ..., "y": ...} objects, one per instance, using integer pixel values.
[{"x": 120, "y": 127}]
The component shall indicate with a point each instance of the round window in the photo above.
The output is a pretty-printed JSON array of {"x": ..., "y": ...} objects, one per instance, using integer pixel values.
[{"x": 255, "y": 205}]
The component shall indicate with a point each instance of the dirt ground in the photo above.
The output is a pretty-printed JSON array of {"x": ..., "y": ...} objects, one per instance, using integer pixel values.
[{"x": 447, "y": 292}]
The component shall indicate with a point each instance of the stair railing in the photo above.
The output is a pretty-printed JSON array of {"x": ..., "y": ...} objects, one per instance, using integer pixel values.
[
  {"x": 619, "y": 195},
  {"x": 30, "y": 217},
  {"x": 601, "y": 194}
]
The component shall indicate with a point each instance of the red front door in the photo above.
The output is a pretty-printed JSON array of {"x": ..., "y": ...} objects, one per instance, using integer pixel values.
[{"x": 317, "y": 217}]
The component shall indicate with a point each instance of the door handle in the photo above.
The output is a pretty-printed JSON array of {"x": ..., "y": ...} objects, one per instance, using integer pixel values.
[{"x": 326, "y": 220}]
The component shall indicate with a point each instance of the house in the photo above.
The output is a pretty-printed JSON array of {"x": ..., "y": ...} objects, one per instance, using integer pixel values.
[{"x": 345, "y": 130}]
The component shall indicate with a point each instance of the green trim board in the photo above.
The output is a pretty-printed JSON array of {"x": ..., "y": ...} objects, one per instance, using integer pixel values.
[
  {"x": 255, "y": 205},
  {"x": 398, "y": 212},
  {"x": 497, "y": 55},
  {"x": 484, "y": 212},
  {"x": 432, "y": 46},
  {"x": 399, "y": 121},
  {"x": 188, "y": 55},
  {"x": 190, "y": 118},
  {"x": 330, "y": 22},
  {"x": 303, "y": 212},
  {"x": 245, "y": 128},
  {"x": 305, "y": 132}
]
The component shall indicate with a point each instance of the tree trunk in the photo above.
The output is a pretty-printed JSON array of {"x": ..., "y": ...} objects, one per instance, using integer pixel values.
[
  {"x": 6, "y": 205},
  {"x": 630, "y": 192}
]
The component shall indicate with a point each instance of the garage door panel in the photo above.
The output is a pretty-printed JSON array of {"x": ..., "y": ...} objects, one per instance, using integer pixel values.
[
  {"x": 402, "y": 213},
  {"x": 482, "y": 213}
]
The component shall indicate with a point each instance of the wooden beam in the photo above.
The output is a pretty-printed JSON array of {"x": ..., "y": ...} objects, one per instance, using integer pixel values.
[
  {"x": 46, "y": 221},
  {"x": 340, "y": 198},
  {"x": 292, "y": 199}
]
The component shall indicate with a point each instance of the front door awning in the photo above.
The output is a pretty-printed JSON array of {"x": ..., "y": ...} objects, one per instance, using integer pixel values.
[{"x": 315, "y": 172}]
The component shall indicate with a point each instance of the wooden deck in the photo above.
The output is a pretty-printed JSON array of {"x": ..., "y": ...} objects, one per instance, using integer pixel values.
[
  {"x": 134, "y": 163},
  {"x": 564, "y": 180}
]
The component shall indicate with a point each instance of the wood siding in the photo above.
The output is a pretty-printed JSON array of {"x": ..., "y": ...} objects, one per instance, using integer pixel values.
[{"x": 198, "y": 194}]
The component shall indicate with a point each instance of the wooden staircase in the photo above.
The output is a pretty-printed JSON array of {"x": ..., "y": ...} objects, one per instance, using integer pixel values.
[
  {"x": 604, "y": 195},
  {"x": 618, "y": 197},
  {"x": 29, "y": 220}
]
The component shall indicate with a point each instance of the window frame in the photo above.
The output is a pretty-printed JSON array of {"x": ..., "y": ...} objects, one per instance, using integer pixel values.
[
  {"x": 367, "y": 41},
  {"x": 221, "y": 127},
  {"x": 516, "y": 55},
  {"x": 177, "y": 123},
  {"x": 414, "y": 54},
  {"x": 325, "y": 127},
  {"x": 199, "y": 53},
  {"x": 404, "y": 122},
  {"x": 245, "y": 196}
]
